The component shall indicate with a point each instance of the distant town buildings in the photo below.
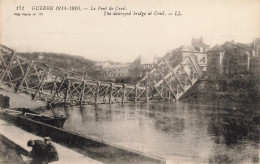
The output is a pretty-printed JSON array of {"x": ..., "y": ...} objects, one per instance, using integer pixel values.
[
  {"x": 144, "y": 64},
  {"x": 139, "y": 66},
  {"x": 226, "y": 60},
  {"x": 198, "y": 48},
  {"x": 121, "y": 70},
  {"x": 113, "y": 70},
  {"x": 40, "y": 56}
]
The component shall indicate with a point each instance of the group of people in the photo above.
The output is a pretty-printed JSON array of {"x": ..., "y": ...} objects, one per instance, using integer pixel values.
[{"x": 42, "y": 152}]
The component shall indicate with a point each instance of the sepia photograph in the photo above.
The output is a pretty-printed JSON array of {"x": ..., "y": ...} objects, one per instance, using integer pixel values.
[{"x": 129, "y": 82}]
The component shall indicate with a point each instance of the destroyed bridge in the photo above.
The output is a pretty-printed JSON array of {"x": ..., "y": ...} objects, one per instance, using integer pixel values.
[{"x": 169, "y": 80}]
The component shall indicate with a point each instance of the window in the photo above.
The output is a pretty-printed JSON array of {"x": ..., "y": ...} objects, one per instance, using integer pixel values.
[
  {"x": 203, "y": 60},
  {"x": 235, "y": 60},
  {"x": 235, "y": 51}
]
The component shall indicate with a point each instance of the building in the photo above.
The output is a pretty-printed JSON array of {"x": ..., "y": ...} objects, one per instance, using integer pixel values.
[
  {"x": 215, "y": 62},
  {"x": 156, "y": 59},
  {"x": 186, "y": 50},
  {"x": 114, "y": 71},
  {"x": 140, "y": 66},
  {"x": 229, "y": 59},
  {"x": 180, "y": 54},
  {"x": 199, "y": 45},
  {"x": 254, "y": 67},
  {"x": 197, "y": 48},
  {"x": 147, "y": 66},
  {"x": 101, "y": 65}
]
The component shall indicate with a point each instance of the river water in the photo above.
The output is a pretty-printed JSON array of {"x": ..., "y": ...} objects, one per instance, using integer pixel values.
[{"x": 181, "y": 132}]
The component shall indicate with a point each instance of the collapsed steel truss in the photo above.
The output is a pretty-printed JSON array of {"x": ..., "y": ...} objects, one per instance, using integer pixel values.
[
  {"x": 171, "y": 79},
  {"x": 168, "y": 80}
]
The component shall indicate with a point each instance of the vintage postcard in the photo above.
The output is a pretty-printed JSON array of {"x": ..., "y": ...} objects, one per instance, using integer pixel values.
[{"x": 116, "y": 81}]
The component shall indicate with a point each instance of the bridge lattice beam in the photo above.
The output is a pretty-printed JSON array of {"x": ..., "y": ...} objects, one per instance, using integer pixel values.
[{"x": 169, "y": 79}]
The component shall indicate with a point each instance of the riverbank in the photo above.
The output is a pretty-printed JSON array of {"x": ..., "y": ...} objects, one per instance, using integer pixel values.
[
  {"x": 20, "y": 100},
  {"x": 206, "y": 91},
  {"x": 10, "y": 133},
  {"x": 8, "y": 152}
]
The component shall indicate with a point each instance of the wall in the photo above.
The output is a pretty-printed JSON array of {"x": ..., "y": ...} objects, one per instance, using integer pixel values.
[
  {"x": 94, "y": 148},
  {"x": 213, "y": 65}
]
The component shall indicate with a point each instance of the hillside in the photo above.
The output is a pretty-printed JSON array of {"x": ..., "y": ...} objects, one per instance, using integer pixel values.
[{"x": 76, "y": 64}]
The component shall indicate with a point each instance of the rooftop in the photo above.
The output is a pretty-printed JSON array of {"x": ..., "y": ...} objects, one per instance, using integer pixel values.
[
  {"x": 186, "y": 48},
  {"x": 217, "y": 47}
]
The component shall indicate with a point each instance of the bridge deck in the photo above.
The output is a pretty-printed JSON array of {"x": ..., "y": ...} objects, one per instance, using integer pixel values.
[{"x": 20, "y": 137}]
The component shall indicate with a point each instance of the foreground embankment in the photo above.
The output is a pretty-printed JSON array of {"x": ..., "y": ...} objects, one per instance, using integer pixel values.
[{"x": 96, "y": 149}]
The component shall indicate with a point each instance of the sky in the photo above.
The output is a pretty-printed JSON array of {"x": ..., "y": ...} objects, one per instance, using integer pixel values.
[{"x": 97, "y": 37}]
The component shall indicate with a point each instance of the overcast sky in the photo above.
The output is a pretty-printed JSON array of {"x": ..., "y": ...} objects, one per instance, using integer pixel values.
[{"x": 94, "y": 36}]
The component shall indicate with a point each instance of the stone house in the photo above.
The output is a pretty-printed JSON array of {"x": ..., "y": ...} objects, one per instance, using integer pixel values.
[{"x": 229, "y": 59}]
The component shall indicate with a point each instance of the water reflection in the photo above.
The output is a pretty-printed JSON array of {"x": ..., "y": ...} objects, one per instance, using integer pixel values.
[
  {"x": 234, "y": 132},
  {"x": 208, "y": 132}
]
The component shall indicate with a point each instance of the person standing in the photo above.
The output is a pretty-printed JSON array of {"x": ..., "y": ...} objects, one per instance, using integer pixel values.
[
  {"x": 38, "y": 153},
  {"x": 52, "y": 154}
]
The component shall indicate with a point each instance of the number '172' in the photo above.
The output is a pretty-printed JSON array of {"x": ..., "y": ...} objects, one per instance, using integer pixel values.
[{"x": 20, "y": 8}]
